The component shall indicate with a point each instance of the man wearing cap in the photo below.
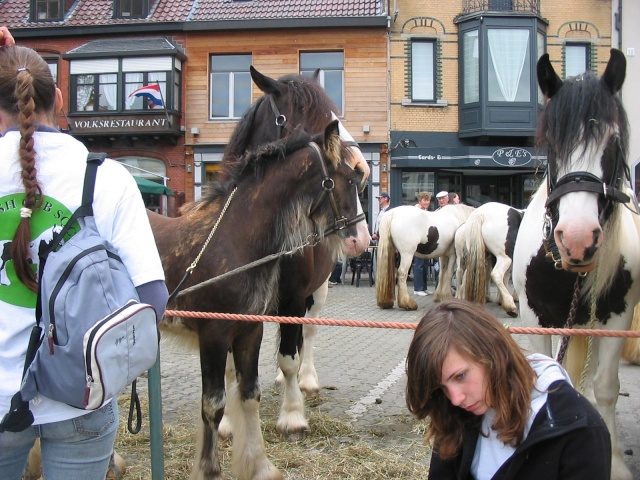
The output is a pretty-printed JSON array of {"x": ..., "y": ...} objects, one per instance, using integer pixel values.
[
  {"x": 443, "y": 198},
  {"x": 383, "y": 201}
]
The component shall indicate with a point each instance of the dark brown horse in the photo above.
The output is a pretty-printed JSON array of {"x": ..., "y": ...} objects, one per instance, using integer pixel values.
[
  {"x": 278, "y": 197},
  {"x": 288, "y": 102}
]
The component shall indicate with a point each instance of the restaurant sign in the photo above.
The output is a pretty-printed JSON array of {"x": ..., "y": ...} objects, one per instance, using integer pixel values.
[{"x": 129, "y": 124}]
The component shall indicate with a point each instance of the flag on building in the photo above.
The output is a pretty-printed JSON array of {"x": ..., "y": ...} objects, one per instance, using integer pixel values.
[{"x": 152, "y": 92}]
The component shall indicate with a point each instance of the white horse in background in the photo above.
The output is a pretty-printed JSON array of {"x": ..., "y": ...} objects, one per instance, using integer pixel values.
[{"x": 490, "y": 231}]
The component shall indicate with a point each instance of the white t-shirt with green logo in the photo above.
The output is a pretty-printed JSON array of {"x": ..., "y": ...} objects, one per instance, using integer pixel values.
[{"x": 120, "y": 217}]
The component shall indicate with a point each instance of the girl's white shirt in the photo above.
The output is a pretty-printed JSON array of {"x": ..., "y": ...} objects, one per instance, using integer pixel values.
[
  {"x": 490, "y": 452},
  {"x": 120, "y": 216}
]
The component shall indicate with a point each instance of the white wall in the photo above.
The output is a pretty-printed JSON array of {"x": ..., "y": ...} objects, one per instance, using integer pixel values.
[{"x": 630, "y": 97}]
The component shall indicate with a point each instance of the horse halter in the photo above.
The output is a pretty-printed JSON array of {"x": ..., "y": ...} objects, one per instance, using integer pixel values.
[
  {"x": 281, "y": 122},
  {"x": 585, "y": 182},
  {"x": 340, "y": 222}
]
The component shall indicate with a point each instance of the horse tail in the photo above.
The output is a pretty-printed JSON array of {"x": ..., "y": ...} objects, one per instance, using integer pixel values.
[
  {"x": 631, "y": 349},
  {"x": 475, "y": 283},
  {"x": 386, "y": 264}
]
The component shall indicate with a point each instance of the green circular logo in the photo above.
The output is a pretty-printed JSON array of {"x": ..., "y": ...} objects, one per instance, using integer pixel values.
[{"x": 46, "y": 221}]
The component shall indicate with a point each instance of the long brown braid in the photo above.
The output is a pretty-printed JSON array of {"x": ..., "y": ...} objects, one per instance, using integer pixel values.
[{"x": 27, "y": 92}]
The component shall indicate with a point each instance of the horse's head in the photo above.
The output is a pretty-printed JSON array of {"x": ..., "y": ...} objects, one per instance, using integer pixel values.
[
  {"x": 336, "y": 207},
  {"x": 584, "y": 130},
  {"x": 297, "y": 100}
]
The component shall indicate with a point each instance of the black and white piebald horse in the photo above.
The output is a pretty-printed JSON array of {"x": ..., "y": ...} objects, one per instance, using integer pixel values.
[
  {"x": 577, "y": 239},
  {"x": 489, "y": 232}
]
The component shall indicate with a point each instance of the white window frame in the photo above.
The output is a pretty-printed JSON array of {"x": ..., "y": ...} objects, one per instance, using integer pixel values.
[
  {"x": 423, "y": 70},
  {"x": 231, "y": 92},
  {"x": 578, "y": 49},
  {"x": 340, "y": 103}
]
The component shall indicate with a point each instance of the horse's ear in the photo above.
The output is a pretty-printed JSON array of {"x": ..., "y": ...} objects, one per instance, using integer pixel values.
[
  {"x": 332, "y": 142},
  {"x": 548, "y": 79},
  {"x": 266, "y": 84},
  {"x": 615, "y": 72},
  {"x": 316, "y": 76}
]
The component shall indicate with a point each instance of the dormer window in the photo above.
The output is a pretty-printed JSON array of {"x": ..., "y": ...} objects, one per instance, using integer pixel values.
[
  {"x": 46, "y": 10},
  {"x": 131, "y": 8}
]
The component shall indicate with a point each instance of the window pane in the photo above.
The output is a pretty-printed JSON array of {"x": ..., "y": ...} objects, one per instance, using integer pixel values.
[
  {"x": 541, "y": 50},
  {"x": 108, "y": 92},
  {"x": 230, "y": 63},
  {"x": 85, "y": 93},
  {"x": 509, "y": 70},
  {"x": 241, "y": 94},
  {"x": 471, "y": 62},
  {"x": 575, "y": 60},
  {"x": 422, "y": 84},
  {"x": 333, "y": 86},
  {"x": 331, "y": 65},
  {"x": 414, "y": 183},
  {"x": 230, "y": 85},
  {"x": 322, "y": 60},
  {"x": 47, "y": 9},
  {"x": 53, "y": 68},
  {"x": 133, "y": 81},
  {"x": 219, "y": 94}
]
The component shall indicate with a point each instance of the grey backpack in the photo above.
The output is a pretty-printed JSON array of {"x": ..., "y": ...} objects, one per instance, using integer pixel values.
[{"x": 95, "y": 337}]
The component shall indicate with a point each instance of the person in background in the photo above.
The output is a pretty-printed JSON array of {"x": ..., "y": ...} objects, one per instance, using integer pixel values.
[
  {"x": 454, "y": 198},
  {"x": 420, "y": 264},
  {"x": 443, "y": 198},
  {"x": 383, "y": 202},
  {"x": 496, "y": 413},
  {"x": 41, "y": 180},
  {"x": 336, "y": 275}
]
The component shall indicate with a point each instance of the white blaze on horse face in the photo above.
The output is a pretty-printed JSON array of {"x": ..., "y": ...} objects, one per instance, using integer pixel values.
[
  {"x": 354, "y": 246},
  {"x": 578, "y": 233},
  {"x": 358, "y": 161}
]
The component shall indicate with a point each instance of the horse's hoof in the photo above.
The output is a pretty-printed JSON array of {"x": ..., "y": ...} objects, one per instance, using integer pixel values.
[
  {"x": 310, "y": 391},
  {"x": 512, "y": 314},
  {"x": 385, "y": 305},
  {"x": 409, "y": 306}
]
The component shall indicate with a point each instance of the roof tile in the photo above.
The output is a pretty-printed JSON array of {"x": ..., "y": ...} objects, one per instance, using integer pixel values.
[{"x": 15, "y": 13}]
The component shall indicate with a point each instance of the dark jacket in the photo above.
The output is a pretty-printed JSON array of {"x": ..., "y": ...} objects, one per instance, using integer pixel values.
[{"x": 568, "y": 440}]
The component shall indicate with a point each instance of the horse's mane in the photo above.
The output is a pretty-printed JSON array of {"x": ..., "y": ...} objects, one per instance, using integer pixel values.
[
  {"x": 254, "y": 162},
  {"x": 305, "y": 96},
  {"x": 580, "y": 114}
]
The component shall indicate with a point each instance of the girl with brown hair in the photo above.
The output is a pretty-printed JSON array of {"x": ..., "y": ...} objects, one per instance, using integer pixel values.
[{"x": 495, "y": 413}]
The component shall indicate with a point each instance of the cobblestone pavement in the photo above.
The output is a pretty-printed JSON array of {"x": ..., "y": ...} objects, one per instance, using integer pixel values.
[{"x": 362, "y": 371}]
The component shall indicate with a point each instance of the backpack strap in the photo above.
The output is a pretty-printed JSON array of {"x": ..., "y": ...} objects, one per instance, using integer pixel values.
[{"x": 94, "y": 160}]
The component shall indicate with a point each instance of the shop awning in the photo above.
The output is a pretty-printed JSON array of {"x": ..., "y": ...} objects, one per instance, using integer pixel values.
[{"x": 147, "y": 186}]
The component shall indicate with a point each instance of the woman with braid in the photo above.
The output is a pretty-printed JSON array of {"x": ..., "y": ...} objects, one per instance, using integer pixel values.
[{"x": 41, "y": 181}]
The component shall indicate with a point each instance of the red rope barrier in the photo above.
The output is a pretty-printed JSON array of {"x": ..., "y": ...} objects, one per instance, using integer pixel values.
[{"x": 579, "y": 332}]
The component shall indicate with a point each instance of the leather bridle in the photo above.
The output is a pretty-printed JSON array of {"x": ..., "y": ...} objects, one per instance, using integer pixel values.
[
  {"x": 608, "y": 191},
  {"x": 340, "y": 222},
  {"x": 588, "y": 182}
]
